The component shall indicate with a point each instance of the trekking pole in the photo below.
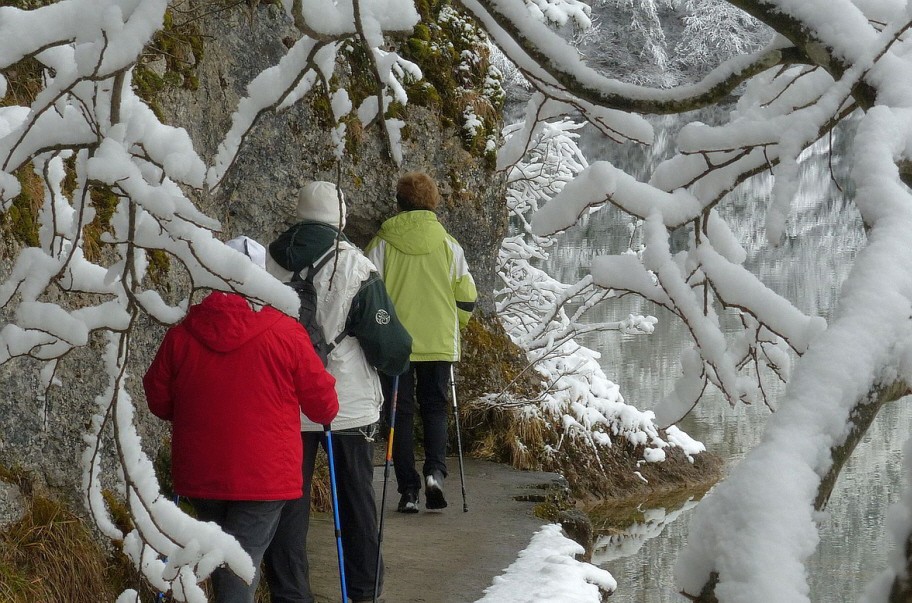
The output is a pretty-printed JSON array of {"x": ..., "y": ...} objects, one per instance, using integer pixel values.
[
  {"x": 386, "y": 472},
  {"x": 465, "y": 507},
  {"x": 327, "y": 431}
]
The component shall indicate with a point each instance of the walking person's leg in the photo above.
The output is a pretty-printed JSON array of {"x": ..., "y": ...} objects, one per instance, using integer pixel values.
[
  {"x": 432, "y": 380},
  {"x": 357, "y": 510},
  {"x": 287, "y": 570},
  {"x": 253, "y": 523},
  {"x": 407, "y": 478}
]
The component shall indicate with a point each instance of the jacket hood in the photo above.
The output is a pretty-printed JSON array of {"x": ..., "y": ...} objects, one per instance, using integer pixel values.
[
  {"x": 225, "y": 321},
  {"x": 302, "y": 244},
  {"x": 413, "y": 232}
]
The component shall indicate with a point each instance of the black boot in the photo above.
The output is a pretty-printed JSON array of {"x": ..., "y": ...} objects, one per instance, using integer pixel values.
[
  {"x": 433, "y": 491},
  {"x": 408, "y": 503}
]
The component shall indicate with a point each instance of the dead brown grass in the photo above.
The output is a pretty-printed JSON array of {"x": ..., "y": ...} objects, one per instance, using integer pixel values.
[
  {"x": 25, "y": 81},
  {"x": 51, "y": 555}
]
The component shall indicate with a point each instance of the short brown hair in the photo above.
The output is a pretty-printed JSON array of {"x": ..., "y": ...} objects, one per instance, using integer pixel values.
[{"x": 417, "y": 190}]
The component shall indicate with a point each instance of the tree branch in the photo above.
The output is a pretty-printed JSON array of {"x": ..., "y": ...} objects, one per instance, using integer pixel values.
[
  {"x": 587, "y": 84},
  {"x": 861, "y": 417}
]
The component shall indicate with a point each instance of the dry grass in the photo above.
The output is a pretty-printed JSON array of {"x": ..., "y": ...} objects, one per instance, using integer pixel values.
[
  {"x": 506, "y": 434},
  {"x": 320, "y": 495},
  {"x": 25, "y": 82},
  {"x": 50, "y": 555}
]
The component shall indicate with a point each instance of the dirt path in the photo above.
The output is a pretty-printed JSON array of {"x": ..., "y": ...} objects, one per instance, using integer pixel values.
[{"x": 442, "y": 557}]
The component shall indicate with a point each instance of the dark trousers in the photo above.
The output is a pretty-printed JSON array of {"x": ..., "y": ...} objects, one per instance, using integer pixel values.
[
  {"x": 253, "y": 523},
  {"x": 425, "y": 383},
  {"x": 287, "y": 569}
]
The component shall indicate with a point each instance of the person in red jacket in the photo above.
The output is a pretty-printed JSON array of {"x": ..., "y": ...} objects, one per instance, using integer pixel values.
[{"x": 233, "y": 381}]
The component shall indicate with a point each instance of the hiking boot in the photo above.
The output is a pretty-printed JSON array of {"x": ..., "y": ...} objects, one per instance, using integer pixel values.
[
  {"x": 433, "y": 491},
  {"x": 408, "y": 503}
]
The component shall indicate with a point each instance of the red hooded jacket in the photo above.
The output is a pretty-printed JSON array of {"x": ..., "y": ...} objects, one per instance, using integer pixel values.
[{"x": 233, "y": 383}]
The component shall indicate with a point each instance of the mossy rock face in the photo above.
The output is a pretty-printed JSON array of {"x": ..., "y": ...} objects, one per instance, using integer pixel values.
[
  {"x": 170, "y": 61},
  {"x": 459, "y": 81},
  {"x": 491, "y": 362}
]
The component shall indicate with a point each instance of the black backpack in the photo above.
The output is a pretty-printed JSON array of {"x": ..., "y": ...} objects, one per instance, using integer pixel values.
[{"x": 307, "y": 316}]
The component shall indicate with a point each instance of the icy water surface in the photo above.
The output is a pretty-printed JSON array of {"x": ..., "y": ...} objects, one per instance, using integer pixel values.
[{"x": 808, "y": 268}]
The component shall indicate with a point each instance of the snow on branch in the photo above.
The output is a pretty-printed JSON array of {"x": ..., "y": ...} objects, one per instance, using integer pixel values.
[
  {"x": 535, "y": 308},
  {"x": 85, "y": 136},
  {"x": 291, "y": 79},
  {"x": 549, "y": 61},
  {"x": 86, "y": 132},
  {"x": 826, "y": 62}
]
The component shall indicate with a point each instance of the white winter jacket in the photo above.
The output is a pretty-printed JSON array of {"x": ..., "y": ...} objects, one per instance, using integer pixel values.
[{"x": 357, "y": 382}]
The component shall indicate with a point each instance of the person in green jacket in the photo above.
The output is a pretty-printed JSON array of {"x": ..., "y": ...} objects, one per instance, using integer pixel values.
[{"x": 427, "y": 277}]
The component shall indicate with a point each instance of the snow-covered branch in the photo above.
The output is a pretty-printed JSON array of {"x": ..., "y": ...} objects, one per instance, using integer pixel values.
[
  {"x": 86, "y": 139},
  {"x": 86, "y": 136},
  {"x": 828, "y": 61}
]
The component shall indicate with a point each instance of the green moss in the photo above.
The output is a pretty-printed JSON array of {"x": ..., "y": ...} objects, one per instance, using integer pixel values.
[
  {"x": 179, "y": 47},
  {"x": 173, "y": 79},
  {"x": 354, "y": 136},
  {"x": 422, "y": 32},
  {"x": 104, "y": 202},
  {"x": 322, "y": 110},
  {"x": 147, "y": 84},
  {"x": 191, "y": 82},
  {"x": 120, "y": 513},
  {"x": 159, "y": 267},
  {"x": 395, "y": 109},
  {"x": 20, "y": 221},
  {"x": 424, "y": 94},
  {"x": 454, "y": 84},
  {"x": 359, "y": 80}
]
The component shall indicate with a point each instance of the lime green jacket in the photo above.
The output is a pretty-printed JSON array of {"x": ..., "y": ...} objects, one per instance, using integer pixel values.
[{"x": 428, "y": 279}]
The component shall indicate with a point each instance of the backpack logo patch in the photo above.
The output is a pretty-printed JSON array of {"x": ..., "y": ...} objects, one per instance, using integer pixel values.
[{"x": 382, "y": 317}]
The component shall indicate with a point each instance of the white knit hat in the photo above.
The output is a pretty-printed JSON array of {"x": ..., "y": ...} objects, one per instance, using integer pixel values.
[
  {"x": 250, "y": 248},
  {"x": 319, "y": 201}
]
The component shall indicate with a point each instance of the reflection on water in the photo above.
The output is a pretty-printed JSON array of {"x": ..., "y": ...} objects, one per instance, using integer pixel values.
[
  {"x": 853, "y": 544},
  {"x": 808, "y": 269},
  {"x": 629, "y": 542}
]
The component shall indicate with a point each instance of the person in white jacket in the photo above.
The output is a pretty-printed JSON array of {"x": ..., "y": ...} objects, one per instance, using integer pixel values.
[{"x": 357, "y": 315}]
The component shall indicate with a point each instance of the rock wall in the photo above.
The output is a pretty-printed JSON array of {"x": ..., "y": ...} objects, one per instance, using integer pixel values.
[
  {"x": 258, "y": 199},
  {"x": 288, "y": 149}
]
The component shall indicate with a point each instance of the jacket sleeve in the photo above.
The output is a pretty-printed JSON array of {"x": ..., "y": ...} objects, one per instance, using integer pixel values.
[
  {"x": 464, "y": 290},
  {"x": 314, "y": 386},
  {"x": 376, "y": 252},
  {"x": 158, "y": 379},
  {"x": 372, "y": 320}
]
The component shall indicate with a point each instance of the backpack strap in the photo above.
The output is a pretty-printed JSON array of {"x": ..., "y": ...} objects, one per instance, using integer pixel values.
[
  {"x": 312, "y": 270},
  {"x": 320, "y": 262}
]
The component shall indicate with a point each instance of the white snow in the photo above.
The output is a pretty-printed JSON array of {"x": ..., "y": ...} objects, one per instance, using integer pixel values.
[
  {"x": 548, "y": 571},
  {"x": 757, "y": 529}
]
